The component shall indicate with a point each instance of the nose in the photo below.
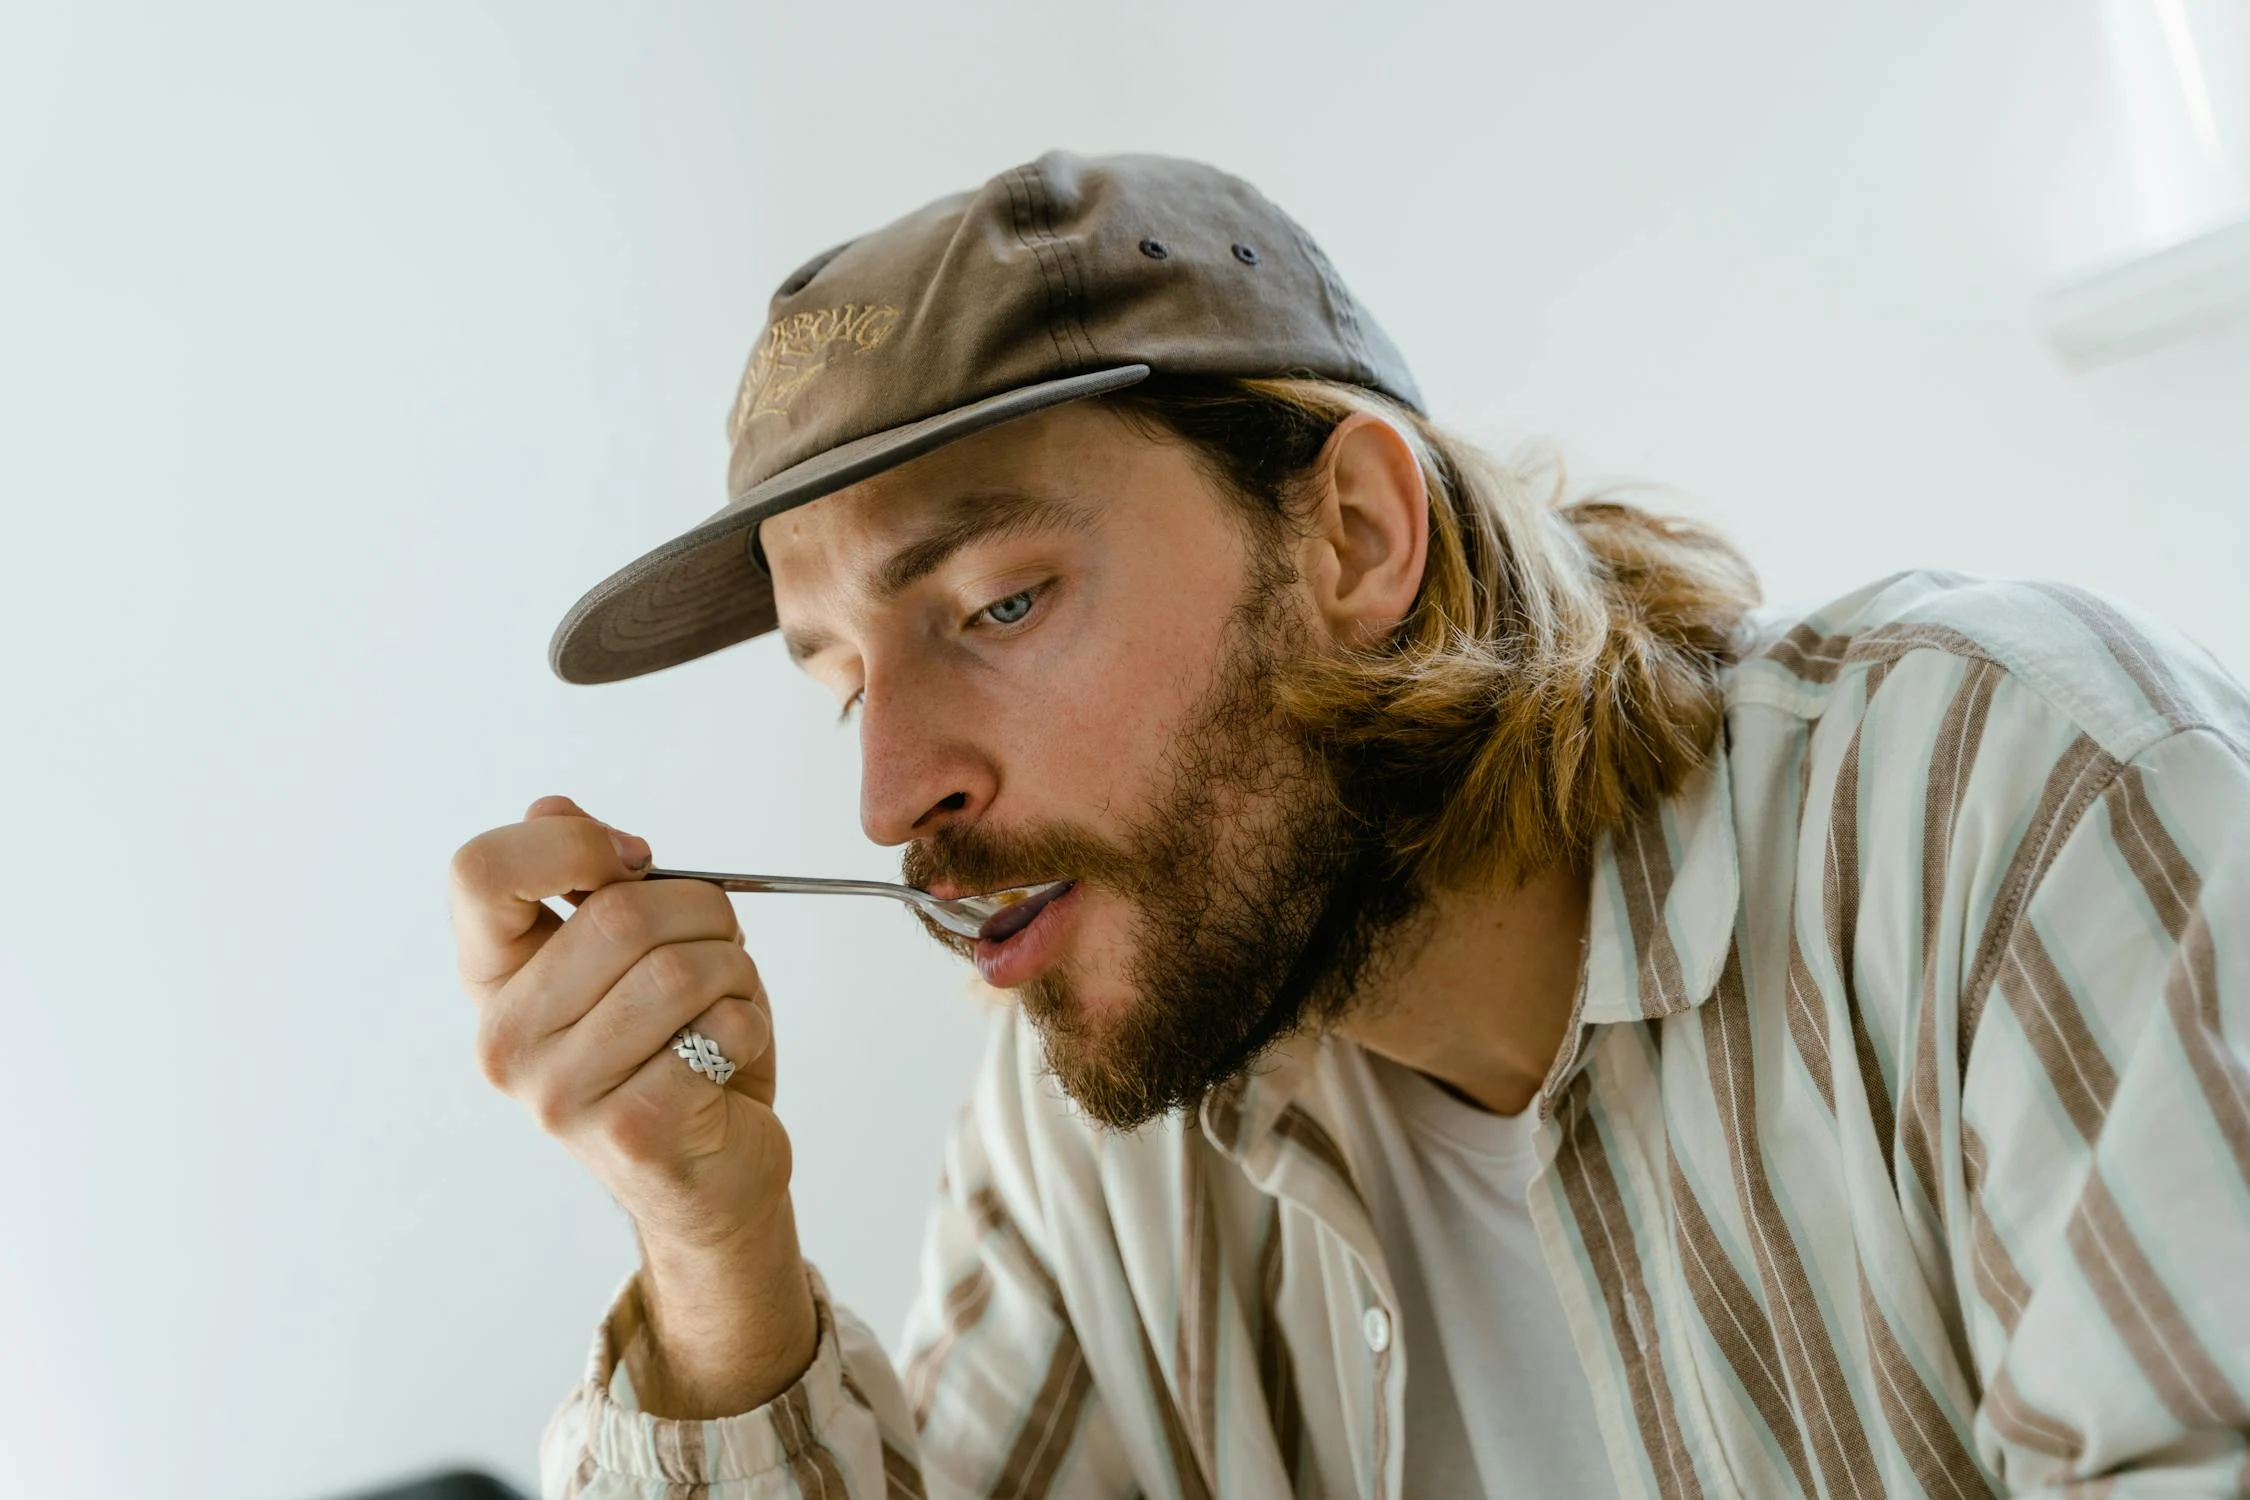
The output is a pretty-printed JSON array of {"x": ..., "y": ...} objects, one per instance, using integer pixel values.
[{"x": 923, "y": 765}]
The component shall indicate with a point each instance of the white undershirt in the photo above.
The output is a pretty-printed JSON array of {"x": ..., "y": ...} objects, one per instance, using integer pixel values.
[{"x": 1496, "y": 1399}]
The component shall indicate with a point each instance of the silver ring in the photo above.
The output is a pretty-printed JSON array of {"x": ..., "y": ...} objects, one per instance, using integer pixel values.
[{"x": 702, "y": 1054}]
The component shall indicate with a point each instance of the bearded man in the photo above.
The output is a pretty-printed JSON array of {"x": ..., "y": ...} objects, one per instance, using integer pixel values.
[{"x": 1519, "y": 1019}]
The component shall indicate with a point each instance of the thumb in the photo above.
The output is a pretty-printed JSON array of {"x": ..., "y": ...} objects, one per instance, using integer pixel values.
[
  {"x": 557, "y": 807},
  {"x": 632, "y": 851}
]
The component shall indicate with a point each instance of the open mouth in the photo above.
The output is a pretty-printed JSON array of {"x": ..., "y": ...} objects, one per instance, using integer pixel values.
[{"x": 1005, "y": 924}]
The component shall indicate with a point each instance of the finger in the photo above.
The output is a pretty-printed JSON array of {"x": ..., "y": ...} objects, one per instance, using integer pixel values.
[
  {"x": 567, "y": 1089},
  {"x": 668, "y": 989},
  {"x": 554, "y": 807},
  {"x": 501, "y": 880},
  {"x": 599, "y": 945},
  {"x": 670, "y": 1118},
  {"x": 742, "y": 1030}
]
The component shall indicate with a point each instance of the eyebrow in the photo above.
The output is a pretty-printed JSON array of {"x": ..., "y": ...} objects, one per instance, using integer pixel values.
[{"x": 968, "y": 518}]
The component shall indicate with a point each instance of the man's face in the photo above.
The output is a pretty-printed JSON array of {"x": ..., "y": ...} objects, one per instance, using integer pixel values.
[{"x": 1062, "y": 642}]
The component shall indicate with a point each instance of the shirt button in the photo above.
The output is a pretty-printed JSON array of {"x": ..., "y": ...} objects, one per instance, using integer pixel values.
[{"x": 1376, "y": 1326}]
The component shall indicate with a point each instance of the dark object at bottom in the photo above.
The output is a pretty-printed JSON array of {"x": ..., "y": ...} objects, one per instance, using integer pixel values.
[{"x": 455, "y": 1484}]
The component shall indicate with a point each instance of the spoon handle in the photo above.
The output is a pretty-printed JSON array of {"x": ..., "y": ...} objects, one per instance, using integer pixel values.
[{"x": 789, "y": 884}]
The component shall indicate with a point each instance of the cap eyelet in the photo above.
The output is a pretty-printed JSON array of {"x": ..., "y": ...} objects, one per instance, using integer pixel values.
[
  {"x": 1246, "y": 255},
  {"x": 1155, "y": 249}
]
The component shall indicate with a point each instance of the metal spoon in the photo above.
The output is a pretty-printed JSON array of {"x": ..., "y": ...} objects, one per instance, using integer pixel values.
[{"x": 994, "y": 914}]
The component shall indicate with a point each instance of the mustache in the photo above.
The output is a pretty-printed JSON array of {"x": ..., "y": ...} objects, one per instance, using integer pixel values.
[{"x": 980, "y": 859}]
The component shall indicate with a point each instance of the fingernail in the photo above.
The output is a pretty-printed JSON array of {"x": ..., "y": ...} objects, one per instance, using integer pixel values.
[{"x": 634, "y": 851}]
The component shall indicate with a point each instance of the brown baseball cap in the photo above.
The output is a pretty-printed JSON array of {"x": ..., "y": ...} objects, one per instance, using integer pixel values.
[{"x": 1068, "y": 277}]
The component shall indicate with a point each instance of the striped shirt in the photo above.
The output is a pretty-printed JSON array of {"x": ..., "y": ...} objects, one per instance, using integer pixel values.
[{"x": 1901, "y": 1145}]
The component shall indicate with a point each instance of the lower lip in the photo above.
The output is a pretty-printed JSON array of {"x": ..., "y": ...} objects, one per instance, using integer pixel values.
[{"x": 1015, "y": 960}]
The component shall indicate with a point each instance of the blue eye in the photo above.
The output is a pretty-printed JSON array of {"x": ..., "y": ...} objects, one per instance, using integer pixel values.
[{"x": 1011, "y": 609}]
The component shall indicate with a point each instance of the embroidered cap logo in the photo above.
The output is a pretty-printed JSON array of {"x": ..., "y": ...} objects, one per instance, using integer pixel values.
[{"x": 798, "y": 347}]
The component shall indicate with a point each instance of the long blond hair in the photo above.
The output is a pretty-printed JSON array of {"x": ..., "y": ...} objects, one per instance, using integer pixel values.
[{"x": 1559, "y": 669}]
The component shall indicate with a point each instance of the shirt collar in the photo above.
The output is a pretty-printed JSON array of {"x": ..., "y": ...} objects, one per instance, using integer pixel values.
[
  {"x": 1665, "y": 892},
  {"x": 1240, "y": 1113},
  {"x": 1665, "y": 889}
]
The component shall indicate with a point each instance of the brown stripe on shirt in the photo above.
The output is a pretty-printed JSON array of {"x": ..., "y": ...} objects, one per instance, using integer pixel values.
[
  {"x": 2191, "y": 987},
  {"x": 1807, "y": 653},
  {"x": 1301, "y": 1130},
  {"x": 2054, "y": 1026},
  {"x": 2148, "y": 1319},
  {"x": 966, "y": 1302},
  {"x": 1043, "y": 1441},
  {"x": 574, "y": 1487},
  {"x": 1737, "y": 1324},
  {"x": 1644, "y": 870},
  {"x": 1952, "y": 762},
  {"x": 1582, "y": 1166},
  {"x": 2170, "y": 882},
  {"x": 1832, "y": 1422},
  {"x": 902, "y": 1478},
  {"x": 811, "y": 1466},
  {"x": 1277, "y": 1375},
  {"x": 2191, "y": 993},
  {"x": 1197, "y": 1352},
  {"x": 1997, "y": 1280},
  {"x": 1888, "y": 643},
  {"x": 1820, "y": 659},
  {"x": 1187, "y": 1470},
  {"x": 990, "y": 1215},
  {"x": 675, "y": 1445},
  {"x": 2019, "y": 1422},
  {"x": 2077, "y": 777},
  {"x": 1806, "y": 1026},
  {"x": 1840, "y": 919},
  {"x": 1934, "y": 1449}
]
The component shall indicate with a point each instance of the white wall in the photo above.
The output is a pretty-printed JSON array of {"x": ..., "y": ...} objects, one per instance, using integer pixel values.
[{"x": 341, "y": 347}]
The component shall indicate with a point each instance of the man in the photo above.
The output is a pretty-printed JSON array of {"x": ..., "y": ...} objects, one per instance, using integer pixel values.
[{"x": 1518, "y": 1022}]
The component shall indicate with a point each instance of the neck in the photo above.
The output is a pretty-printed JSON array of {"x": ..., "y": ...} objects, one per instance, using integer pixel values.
[{"x": 1483, "y": 1003}]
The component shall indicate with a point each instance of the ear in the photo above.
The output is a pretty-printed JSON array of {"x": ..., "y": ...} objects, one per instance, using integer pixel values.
[{"x": 1369, "y": 534}]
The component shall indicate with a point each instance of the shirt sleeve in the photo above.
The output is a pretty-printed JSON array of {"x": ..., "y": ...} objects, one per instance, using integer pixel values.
[
  {"x": 2105, "y": 1139},
  {"x": 995, "y": 1397},
  {"x": 837, "y": 1432}
]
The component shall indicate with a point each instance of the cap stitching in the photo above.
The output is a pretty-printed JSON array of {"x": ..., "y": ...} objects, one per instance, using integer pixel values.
[
  {"x": 1069, "y": 249},
  {"x": 1018, "y": 209},
  {"x": 1040, "y": 243},
  {"x": 1069, "y": 312}
]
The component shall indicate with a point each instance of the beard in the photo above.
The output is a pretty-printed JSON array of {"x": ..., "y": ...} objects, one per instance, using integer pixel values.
[{"x": 1262, "y": 907}]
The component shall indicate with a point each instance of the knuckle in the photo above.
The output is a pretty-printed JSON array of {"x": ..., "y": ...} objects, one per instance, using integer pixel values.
[
  {"x": 496, "y": 1055},
  {"x": 550, "y": 1108},
  {"x": 714, "y": 912},
  {"x": 622, "y": 915},
  {"x": 749, "y": 1018},
  {"x": 673, "y": 971},
  {"x": 472, "y": 867}
]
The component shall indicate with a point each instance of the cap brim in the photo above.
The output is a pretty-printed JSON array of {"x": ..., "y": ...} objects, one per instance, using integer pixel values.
[{"x": 700, "y": 591}]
